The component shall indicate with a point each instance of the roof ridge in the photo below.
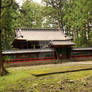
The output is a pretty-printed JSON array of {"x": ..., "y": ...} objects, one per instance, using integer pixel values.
[{"x": 36, "y": 29}]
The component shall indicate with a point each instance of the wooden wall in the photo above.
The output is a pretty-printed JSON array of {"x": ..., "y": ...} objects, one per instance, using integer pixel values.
[{"x": 81, "y": 55}]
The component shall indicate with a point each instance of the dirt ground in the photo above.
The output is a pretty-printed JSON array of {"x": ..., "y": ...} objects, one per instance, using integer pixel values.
[{"x": 60, "y": 64}]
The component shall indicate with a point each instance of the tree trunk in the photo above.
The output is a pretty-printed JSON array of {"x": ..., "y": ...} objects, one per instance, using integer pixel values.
[
  {"x": 74, "y": 35},
  {"x": 2, "y": 68}
]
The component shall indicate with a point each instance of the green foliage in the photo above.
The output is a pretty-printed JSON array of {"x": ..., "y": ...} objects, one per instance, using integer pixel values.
[
  {"x": 73, "y": 16},
  {"x": 8, "y": 16},
  {"x": 54, "y": 13},
  {"x": 90, "y": 38},
  {"x": 30, "y": 15},
  {"x": 77, "y": 19}
]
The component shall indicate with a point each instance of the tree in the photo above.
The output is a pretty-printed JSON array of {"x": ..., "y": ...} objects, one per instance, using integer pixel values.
[
  {"x": 30, "y": 15},
  {"x": 74, "y": 16},
  {"x": 8, "y": 23},
  {"x": 5, "y": 22},
  {"x": 77, "y": 18},
  {"x": 55, "y": 12}
]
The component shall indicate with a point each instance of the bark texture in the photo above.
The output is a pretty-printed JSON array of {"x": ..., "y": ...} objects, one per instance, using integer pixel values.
[
  {"x": 2, "y": 68},
  {"x": 3, "y": 71}
]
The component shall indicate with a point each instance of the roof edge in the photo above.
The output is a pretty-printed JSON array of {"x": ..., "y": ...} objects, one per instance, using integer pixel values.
[{"x": 36, "y": 29}]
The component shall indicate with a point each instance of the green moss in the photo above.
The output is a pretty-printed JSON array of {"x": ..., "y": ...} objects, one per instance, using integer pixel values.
[
  {"x": 79, "y": 75},
  {"x": 22, "y": 78},
  {"x": 14, "y": 76},
  {"x": 59, "y": 69}
]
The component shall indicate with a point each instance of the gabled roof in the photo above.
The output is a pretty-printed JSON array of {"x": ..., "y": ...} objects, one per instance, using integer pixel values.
[{"x": 40, "y": 34}]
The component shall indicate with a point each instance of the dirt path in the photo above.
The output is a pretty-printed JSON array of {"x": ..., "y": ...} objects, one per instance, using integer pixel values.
[
  {"x": 55, "y": 65},
  {"x": 76, "y": 63}
]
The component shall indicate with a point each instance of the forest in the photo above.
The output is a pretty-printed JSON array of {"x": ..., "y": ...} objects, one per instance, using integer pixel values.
[{"x": 74, "y": 17}]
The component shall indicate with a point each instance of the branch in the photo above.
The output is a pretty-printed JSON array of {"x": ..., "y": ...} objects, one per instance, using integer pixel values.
[{"x": 11, "y": 2}]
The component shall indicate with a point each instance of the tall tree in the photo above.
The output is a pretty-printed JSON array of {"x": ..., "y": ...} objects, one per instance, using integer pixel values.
[
  {"x": 8, "y": 23},
  {"x": 30, "y": 15},
  {"x": 5, "y": 28},
  {"x": 55, "y": 11},
  {"x": 77, "y": 19},
  {"x": 74, "y": 16}
]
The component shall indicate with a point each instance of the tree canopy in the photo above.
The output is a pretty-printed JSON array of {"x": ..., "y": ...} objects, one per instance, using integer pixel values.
[{"x": 74, "y": 17}]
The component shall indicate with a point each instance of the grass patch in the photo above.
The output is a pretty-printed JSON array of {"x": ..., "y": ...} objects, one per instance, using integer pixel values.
[
  {"x": 14, "y": 76},
  {"x": 21, "y": 79},
  {"x": 61, "y": 69}
]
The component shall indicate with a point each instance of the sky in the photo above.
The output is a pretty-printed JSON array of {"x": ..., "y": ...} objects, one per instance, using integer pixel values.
[
  {"x": 20, "y": 1},
  {"x": 39, "y": 1}
]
